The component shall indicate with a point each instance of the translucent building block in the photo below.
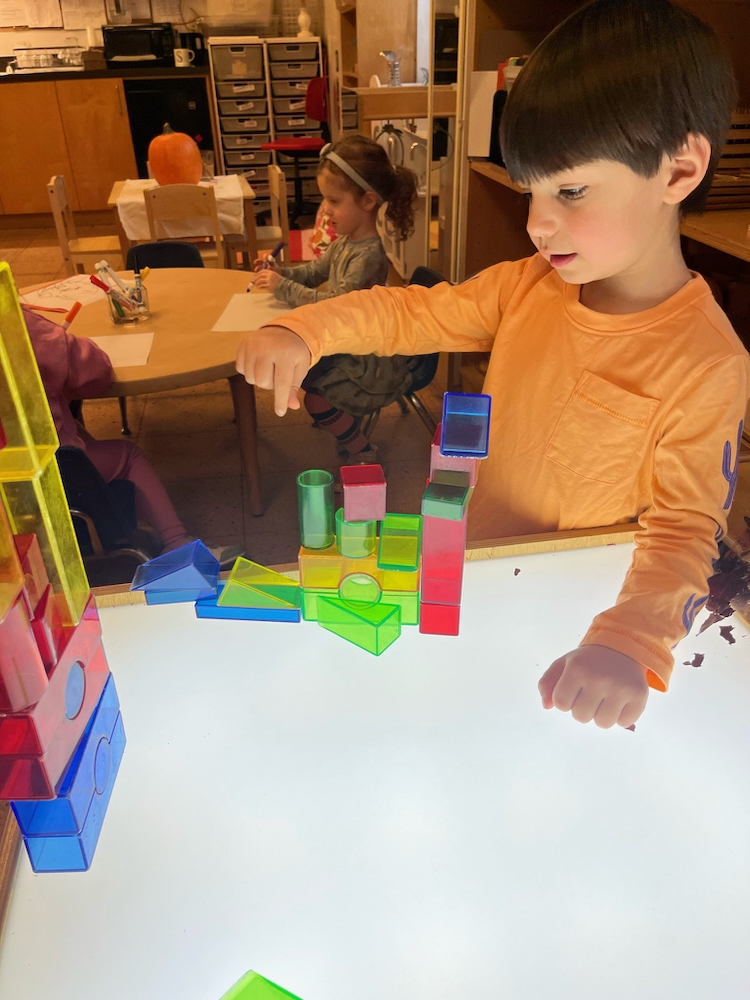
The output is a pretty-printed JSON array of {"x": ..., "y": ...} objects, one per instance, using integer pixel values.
[
  {"x": 400, "y": 540},
  {"x": 35, "y": 579},
  {"x": 208, "y": 607},
  {"x": 447, "y": 502},
  {"x": 439, "y": 619},
  {"x": 75, "y": 852},
  {"x": 191, "y": 567},
  {"x": 39, "y": 506},
  {"x": 443, "y": 552},
  {"x": 372, "y": 628},
  {"x": 178, "y": 596},
  {"x": 23, "y": 678},
  {"x": 315, "y": 508},
  {"x": 24, "y": 411},
  {"x": 450, "y": 477},
  {"x": 394, "y": 579},
  {"x": 11, "y": 574},
  {"x": 355, "y": 539},
  {"x": 364, "y": 492},
  {"x": 253, "y": 586},
  {"x": 67, "y": 812},
  {"x": 360, "y": 589},
  {"x": 407, "y": 602},
  {"x": 466, "y": 425},
  {"x": 253, "y": 986},
  {"x": 449, "y": 463},
  {"x": 45, "y": 627}
]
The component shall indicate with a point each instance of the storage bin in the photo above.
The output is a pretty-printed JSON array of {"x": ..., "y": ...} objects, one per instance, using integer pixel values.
[
  {"x": 294, "y": 123},
  {"x": 242, "y": 88},
  {"x": 293, "y": 71},
  {"x": 289, "y": 105},
  {"x": 244, "y": 124},
  {"x": 348, "y": 102},
  {"x": 289, "y": 88},
  {"x": 349, "y": 119},
  {"x": 246, "y": 107},
  {"x": 251, "y": 158},
  {"x": 292, "y": 51},
  {"x": 238, "y": 62},
  {"x": 239, "y": 159},
  {"x": 250, "y": 140}
]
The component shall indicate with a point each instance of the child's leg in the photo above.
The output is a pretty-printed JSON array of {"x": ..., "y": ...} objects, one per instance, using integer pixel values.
[
  {"x": 125, "y": 460},
  {"x": 343, "y": 426}
]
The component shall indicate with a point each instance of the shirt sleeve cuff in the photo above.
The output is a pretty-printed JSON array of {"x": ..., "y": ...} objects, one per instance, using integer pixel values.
[
  {"x": 288, "y": 321},
  {"x": 658, "y": 667}
]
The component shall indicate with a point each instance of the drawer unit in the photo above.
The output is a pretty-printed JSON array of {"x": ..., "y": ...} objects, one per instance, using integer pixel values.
[
  {"x": 250, "y": 158},
  {"x": 348, "y": 102},
  {"x": 244, "y": 124},
  {"x": 292, "y": 51},
  {"x": 242, "y": 88},
  {"x": 294, "y": 123},
  {"x": 289, "y": 88},
  {"x": 289, "y": 105},
  {"x": 245, "y": 107},
  {"x": 235, "y": 160},
  {"x": 238, "y": 62},
  {"x": 293, "y": 71},
  {"x": 307, "y": 171},
  {"x": 349, "y": 119},
  {"x": 251, "y": 140}
]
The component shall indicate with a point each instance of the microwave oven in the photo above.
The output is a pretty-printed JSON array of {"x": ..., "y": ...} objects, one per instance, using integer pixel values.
[{"x": 138, "y": 44}]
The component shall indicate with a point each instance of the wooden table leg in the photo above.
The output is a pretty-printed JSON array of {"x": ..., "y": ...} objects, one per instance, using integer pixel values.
[{"x": 243, "y": 397}]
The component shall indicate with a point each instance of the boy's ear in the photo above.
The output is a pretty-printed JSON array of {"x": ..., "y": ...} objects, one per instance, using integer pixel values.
[{"x": 687, "y": 168}]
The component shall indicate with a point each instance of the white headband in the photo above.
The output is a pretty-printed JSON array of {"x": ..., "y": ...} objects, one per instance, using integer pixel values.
[{"x": 327, "y": 154}]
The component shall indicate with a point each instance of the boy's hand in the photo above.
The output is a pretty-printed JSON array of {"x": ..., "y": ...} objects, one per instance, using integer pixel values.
[
  {"x": 275, "y": 358},
  {"x": 596, "y": 682},
  {"x": 268, "y": 262},
  {"x": 266, "y": 280}
]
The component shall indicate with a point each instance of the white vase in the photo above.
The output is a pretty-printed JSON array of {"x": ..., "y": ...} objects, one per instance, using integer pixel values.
[{"x": 304, "y": 21}]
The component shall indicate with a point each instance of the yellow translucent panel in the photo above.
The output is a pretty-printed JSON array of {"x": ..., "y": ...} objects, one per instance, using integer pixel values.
[
  {"x": 394, "y": 579},
  {"x": 24, "y": 411},
  {"x": 11, "y": 574},
  {"x": 326, "y": 568},
  {"x": 39, "y": 506}
]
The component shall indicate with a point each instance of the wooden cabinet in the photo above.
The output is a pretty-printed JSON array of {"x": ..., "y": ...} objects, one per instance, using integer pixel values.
[
  {"x": 97, "y": 129},
  {"x": 34, "y": 147}
]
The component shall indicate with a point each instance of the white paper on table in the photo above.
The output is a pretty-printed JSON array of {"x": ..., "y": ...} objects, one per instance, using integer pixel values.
[
  {"x": 249, "y": 312},
  {"x": 131, "y": 207},
  {"x": 65, "y": 293},
  {"x": 126, "y": 350}
]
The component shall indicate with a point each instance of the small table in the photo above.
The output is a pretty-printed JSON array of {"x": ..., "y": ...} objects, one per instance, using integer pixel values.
[{"x": 248, "y": 199}]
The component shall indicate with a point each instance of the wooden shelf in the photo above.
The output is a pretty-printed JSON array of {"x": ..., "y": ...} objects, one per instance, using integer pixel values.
[
  {"x": 495, "y": 173},
  {"x": 728, "y": 231}
]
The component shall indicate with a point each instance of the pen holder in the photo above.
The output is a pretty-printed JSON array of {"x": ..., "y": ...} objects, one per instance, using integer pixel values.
[
  {"x": 128, "y": 310},
  {"x": 315, "y": 502}
]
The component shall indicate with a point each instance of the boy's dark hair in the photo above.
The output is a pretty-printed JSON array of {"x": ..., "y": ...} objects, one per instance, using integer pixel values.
[
  {"x": 622, "y": 80},
  {"x": 396, "y": 185}
]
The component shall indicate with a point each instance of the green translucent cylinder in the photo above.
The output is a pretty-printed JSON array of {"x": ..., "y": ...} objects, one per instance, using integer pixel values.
[
  {"x": 315, "y": 507},
  {"x": 355, "y": 539}
]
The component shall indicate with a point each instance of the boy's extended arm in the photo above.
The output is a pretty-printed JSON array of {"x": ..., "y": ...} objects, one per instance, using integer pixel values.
[{"x": 695, "y": 475}]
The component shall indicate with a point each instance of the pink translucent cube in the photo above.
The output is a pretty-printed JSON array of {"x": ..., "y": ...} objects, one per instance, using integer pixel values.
[{"x": 364, "y": 492}]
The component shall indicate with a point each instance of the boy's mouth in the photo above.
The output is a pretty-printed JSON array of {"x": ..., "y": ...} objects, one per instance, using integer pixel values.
[{"x": 562, "y": 259}]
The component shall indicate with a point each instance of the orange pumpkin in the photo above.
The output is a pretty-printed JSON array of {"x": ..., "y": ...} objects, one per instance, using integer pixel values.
[{"x": 174, "y": 158}]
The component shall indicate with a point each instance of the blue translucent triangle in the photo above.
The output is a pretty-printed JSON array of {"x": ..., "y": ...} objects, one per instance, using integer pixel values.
[{"x": 191, "y": 567}]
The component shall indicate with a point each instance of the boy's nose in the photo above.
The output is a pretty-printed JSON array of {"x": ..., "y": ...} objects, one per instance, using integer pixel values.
[{"x": 541, "y": 224}]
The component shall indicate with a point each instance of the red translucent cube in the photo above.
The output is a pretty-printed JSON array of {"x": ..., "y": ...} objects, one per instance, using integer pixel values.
[
  {"x": 443, "y": 553},
  {"x": 439, "y": 619},
  {"x": 23, "y": 678},
  {"x": 47, "y": 628},
  {"x": 364, "y": 492}
]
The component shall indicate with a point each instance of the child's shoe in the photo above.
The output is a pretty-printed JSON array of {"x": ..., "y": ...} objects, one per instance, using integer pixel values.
[{"x": 368, "y": 456}]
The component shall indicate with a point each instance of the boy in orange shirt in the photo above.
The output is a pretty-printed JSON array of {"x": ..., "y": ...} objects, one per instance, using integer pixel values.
[{"x": 618, "y": 385}]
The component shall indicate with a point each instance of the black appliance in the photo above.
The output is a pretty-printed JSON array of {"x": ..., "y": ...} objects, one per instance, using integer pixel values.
[
  {"x": 138, "y": 44},
  {"x": 194, "y": 40},
  {"x": 183, "y": 102}
]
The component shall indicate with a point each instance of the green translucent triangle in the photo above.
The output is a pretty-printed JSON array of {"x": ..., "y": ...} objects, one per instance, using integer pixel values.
[
  {"x": 371, "y": 627},
  {"x": 255, "y": 987},
  {"x": 253, "y": 586}
]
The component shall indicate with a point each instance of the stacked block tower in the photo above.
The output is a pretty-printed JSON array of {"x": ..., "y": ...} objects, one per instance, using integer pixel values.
[{"x": 61, "y": 734}]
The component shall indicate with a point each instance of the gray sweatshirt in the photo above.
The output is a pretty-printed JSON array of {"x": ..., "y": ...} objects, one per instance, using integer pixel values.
[{"x": 346, "y": 266}]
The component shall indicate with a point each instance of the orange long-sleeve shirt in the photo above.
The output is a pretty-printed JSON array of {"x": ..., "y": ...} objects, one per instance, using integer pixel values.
[{"x": 596, "y": 420}]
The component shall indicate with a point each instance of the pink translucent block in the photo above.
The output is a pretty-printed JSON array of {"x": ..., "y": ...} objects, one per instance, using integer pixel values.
[
  {"x": 36, "y": 580},
  {"x": 439, "y": 619},
  {"x": 443, "y": 551},
  {"x": 23, "y": 678},
  {"x": 47, "y": 628},
  {"x": 364, "y": 492},
  {"x": 438, "y": 461}
]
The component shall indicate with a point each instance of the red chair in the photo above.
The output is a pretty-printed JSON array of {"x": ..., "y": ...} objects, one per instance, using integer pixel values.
[{"x": 305, "y": 148}]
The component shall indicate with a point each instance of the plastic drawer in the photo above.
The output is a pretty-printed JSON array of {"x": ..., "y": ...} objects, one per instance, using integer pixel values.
[
  {"x": 243, "y": 88},
  {"x": 348, "y": 102},
  {"x": 293, "y": 71},
  {"x": 292, "y": 51},
  {"x": 245, "y": 124},
  {"x": 250, "y": 159},
  {"x": 289, "y": 88},
  {"x": 294, "y": 123},
  {"x": 306, "y": 171},
  {"x": 349, "y": 119},
  {"x": 250, "y": 140},
  {"x": 289, "y": 105},
  {"x": 249, "y": 106},
  {"x": 238, "y": 62}
]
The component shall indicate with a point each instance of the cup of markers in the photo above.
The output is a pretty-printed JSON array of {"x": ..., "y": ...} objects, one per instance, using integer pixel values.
[{"x": 127, "y": 301}]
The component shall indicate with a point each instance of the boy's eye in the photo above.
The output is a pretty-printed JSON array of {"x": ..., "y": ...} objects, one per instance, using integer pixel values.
[{"x": 572, "y": 194}]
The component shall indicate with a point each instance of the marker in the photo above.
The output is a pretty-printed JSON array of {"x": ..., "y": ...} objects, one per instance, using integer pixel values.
[
  {"x": 274, "y": 253},
  {"x": 77, "y": 306},
  {"x": 145, "y": 271}
]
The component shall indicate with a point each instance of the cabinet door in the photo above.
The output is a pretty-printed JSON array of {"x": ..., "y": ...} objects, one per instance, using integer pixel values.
[
  {"x": 97, "y": 129},
  {"x": 34, "y": 147}
]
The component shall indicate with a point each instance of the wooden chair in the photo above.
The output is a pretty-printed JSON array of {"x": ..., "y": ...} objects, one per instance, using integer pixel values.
[
  {"x": 79, "y": 254},
  {"x": 266, "y": 237},
  {"x": 186, "y": 202}
]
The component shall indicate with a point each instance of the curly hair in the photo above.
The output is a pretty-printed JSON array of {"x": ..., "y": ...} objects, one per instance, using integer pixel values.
[{"x": 397, "y": 186}]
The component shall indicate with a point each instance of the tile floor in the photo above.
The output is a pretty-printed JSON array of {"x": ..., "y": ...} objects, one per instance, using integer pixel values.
[{"x": 190, "y": 439}]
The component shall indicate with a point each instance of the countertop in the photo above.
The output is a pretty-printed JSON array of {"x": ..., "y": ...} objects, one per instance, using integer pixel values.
[{"x": 131, "y": 72}]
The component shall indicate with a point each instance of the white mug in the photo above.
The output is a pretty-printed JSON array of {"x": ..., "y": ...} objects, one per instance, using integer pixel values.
[{"x": 183, "y": 57}]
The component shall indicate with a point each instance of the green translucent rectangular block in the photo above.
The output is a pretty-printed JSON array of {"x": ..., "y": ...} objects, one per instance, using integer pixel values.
[
  {"x": 253, "y": 586},
  {"x": 371, "y": 627},
  {"x": 310, "y": 597},
  {"x": 253, "y": 986},
  {"x": 408, "y": 603},
  {"x": 447, "y": 502},
  {"x": 400, "y": 541},
  {"x": 450, "y": 477}
]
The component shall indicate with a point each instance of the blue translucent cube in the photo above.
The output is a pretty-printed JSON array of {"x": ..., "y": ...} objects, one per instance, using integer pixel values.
[
  {"x": 191, "y": 567},
  {"x": 466, "y": 425},
  {"x": 208, "y": 607}
]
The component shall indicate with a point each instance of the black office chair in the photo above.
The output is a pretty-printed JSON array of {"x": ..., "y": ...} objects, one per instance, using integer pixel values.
[
  {"x": 155, "y": 255},
  {"x": 104, "y": 519},
  {"x": 422, "y": 366}
]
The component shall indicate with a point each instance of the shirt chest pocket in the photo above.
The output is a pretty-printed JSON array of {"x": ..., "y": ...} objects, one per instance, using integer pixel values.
[{"x": 600, "y": 429}]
